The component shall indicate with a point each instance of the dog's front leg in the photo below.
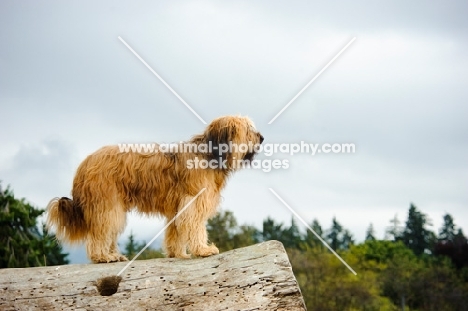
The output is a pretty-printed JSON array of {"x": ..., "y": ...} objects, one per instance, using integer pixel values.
[
  {"x": 191, "y": 223},
  {"x": 198, "y": 241}
]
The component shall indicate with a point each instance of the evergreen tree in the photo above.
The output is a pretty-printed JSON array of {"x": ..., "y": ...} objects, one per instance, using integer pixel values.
[
  {"x": 317, "y": 227},
  {"x": 447, "y": 232},
  {"x": 370, "y": 233},
  {"x": 272, "y": 230},
  {"x": 132, "y": 247},
  {"x": 51, "y": 251},
  {"x": 347, "y": 239},
  {"x": 310, "y": 239},
  {"x": 334, "y": 235},
  {"x": 22, "y": 242},
  {"x": 291, "y": 236},
  {"x": 415, "y": 235},
  {"x": 394, "y": 232}
]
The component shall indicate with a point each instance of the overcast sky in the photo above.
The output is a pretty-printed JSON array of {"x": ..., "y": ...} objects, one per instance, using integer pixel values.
[{"x": 68, "y": 86}]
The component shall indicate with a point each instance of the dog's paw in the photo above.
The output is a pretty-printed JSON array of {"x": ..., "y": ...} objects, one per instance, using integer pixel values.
[
  {"x": 207, "y": 251},
  {"x": 182, "y": 256},
  {"x": 113, "y": 257},
  {"x": 103, "y": 259},
  {"x": 122, "y": 257}
]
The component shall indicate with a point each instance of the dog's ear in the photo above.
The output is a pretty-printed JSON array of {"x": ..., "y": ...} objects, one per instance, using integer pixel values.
[{"x": 220, "y": 138}]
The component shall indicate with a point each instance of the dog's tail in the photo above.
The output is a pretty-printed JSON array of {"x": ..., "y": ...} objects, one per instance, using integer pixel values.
[{"x": 67, "y": 217}]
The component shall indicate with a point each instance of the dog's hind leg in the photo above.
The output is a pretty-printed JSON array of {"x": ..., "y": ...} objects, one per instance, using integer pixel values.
[
  {"x": 119, "y": 219},
  {"x": 102, "y": 247},
  {"x": 97, "y": 244},
  {"x": 101, "y": 244}
]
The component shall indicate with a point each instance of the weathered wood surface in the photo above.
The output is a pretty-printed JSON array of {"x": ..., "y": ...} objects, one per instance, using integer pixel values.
[{"x": 258, "y": 277}]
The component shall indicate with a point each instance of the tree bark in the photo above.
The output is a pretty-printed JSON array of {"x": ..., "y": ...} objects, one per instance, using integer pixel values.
[{"x": 258, "y": 277}]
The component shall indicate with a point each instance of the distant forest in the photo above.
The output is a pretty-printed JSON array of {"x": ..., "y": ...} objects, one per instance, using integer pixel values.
[{"x": 414, "y": 268}]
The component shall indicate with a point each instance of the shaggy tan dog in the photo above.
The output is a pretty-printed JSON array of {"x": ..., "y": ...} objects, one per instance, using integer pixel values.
[{"x": 111, "y": 182}]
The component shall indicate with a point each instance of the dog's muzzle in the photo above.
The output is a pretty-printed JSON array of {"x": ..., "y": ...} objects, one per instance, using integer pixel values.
[{"x": 250, "y": 155}]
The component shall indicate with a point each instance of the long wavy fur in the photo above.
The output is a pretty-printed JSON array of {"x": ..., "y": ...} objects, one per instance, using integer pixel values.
[{"x": 109, "y": 183}]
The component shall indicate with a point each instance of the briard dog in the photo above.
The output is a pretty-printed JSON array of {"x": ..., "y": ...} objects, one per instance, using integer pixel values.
[{"x": 111, "y": 182}]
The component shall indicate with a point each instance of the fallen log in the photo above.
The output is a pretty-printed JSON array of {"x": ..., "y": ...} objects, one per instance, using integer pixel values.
[{"x": 257, "y": 277}]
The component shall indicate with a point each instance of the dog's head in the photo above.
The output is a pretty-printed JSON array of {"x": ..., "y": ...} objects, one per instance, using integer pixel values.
[{"x": 233, "y": 140}]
